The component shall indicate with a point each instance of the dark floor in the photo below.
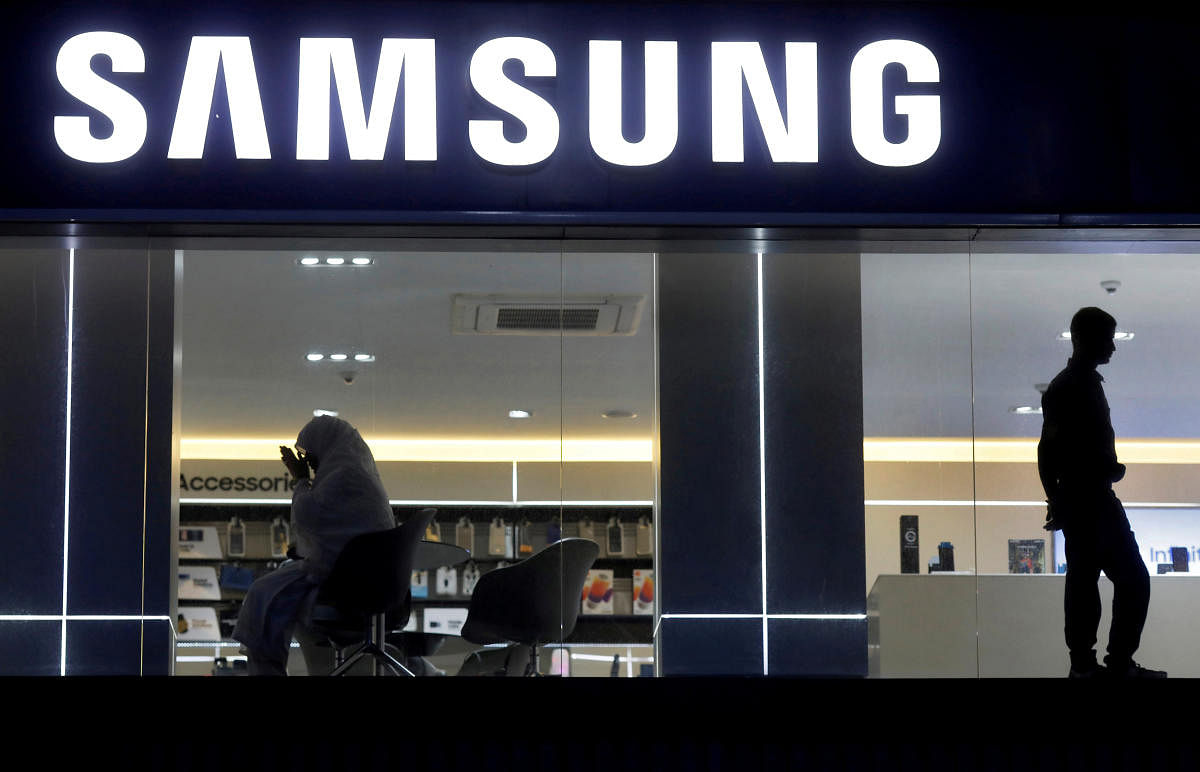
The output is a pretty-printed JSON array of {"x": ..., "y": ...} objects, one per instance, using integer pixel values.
[{"x": 601, "y": 725}]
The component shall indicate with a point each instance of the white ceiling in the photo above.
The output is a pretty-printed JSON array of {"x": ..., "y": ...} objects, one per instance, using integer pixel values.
[
  {"x": 939, "y": 328},
  {"x": 950, "y": 343},
  {"x": 249, "y": 318}
]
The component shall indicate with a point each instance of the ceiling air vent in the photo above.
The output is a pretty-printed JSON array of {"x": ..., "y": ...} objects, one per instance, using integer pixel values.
[{"x": 525, "y": 315}]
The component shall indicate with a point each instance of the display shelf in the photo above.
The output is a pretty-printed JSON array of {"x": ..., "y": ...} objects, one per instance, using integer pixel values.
[{"x": 618, "y": 628}]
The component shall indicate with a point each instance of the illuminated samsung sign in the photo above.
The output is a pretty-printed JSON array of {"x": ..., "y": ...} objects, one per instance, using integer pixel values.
[{"x": 786, "y": 111}]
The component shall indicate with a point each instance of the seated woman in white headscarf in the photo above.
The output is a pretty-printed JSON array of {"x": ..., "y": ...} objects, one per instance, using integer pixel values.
[{"x": 341, "y": 498}]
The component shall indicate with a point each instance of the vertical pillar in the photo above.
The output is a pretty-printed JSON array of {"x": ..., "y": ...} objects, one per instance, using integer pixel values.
[
  {"x": 761, "y": 474},
  {"x": 122, "y": 498},
  {"x": 34, "y": 284}
]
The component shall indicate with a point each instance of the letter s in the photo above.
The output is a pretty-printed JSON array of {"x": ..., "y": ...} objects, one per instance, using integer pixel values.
[{"x": 74, "y": 65}]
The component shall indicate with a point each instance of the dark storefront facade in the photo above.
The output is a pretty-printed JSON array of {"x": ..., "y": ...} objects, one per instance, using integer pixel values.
[{"x": 840, "y": 221}]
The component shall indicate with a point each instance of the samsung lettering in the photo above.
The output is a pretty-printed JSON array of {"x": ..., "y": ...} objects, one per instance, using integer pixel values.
[{"x": 406, "y": 66}]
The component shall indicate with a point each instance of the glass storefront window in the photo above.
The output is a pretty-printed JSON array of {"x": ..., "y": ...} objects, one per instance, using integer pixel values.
[
  {"x": 511, "y": 389},
  {"x": 519, "y": 388}
]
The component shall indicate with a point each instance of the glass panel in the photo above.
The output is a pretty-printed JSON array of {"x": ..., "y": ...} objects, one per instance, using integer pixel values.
[
  {"x": 1024, "y": 299},
  {"x": 607, "y": 479},
  {"x": 919, "y": 485},
  {"x": 451, "y": 396}
]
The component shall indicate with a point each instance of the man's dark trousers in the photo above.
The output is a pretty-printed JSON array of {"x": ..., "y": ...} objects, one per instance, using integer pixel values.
[{"x": 1098, "y": 538}]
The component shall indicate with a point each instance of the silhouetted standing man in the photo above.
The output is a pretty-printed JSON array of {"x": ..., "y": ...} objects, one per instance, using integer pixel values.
[{"x": 1077, "y": 461}]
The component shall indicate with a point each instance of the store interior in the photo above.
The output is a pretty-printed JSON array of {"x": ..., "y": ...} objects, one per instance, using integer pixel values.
[
  {"x": 477, "y": 397},
  {"x": 551, "y": 432}
]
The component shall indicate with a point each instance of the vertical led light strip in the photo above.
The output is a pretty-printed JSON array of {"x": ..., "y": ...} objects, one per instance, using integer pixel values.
[
  {"x": 762, "y": 459},
  {"x": 62, "y": 651}
]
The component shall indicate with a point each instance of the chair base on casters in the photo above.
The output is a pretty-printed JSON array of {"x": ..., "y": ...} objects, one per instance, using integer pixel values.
[
  {"x": 373, "y": 648},
  {"x": 531, "y": 668}
]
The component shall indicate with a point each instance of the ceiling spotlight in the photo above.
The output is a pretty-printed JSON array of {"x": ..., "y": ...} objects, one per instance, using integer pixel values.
[
  {"x": 310, "y": 260},
  {"x": 335, "y": 260},
  {"x": 361, "y": 261},
  {"x": 1041, "y": 387},
  {"x": 364, "y": 357},
  {"x": 338, "y": 357},
  {"x": 1118, "y": 335},
  {"x": 1025, "y": 410},
  {"x": 315, "y": 357},
  {"x": 618, "y": 414},
  {"x": 520, "y": 413},
  {"x": 1110, "y": 285},
  {"x": 319, "y": 412}
]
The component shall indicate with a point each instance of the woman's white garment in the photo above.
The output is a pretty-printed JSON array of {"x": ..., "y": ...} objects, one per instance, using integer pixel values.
[{"x": 345, "y": 498}]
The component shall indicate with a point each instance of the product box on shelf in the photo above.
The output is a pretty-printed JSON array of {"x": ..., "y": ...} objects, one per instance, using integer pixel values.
[
  {"x": 199, "y": 543},
  {"x": 198, "y": 623},
  {"x": 198, "y": 583},
  {"x": 444, "y": 621},
  {"x": 1027, "y": 556},
  {"x": 643, "y": 591},
  {"x": 598, "y": 592}
]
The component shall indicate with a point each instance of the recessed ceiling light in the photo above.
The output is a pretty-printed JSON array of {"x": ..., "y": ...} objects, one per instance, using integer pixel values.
[
  {"x": 338, "y": 357},
  {"x": 362, "y": 261},
  {"x": 314, "y": 357},
  {"x": 618, "y": 414},
  {"x": 1025, "y": 410},
  {"x": 319, "y": 412},
  {"x": 1118, "y": 335},
  {"x": 310, "y": 260},
  {"x": 364, "y": 357},
  {"x": 520, "y": 413},
  {"x": 335, "y": 260}
]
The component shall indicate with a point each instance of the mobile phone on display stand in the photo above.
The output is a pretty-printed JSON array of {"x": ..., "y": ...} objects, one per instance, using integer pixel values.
[
  {"x": 237, "y": 538},
  {"x": 587, "y": 530},
  {"x": 497, "y": 543},
  {"x": 281, "y": 537},
  {"x": 525, "y": 539},
  {"x": 470, "y": 576},
  {"x": 616, "y": 537},
  {"x": 645, "y": 536},
  {"x": 464, "y": 534}
]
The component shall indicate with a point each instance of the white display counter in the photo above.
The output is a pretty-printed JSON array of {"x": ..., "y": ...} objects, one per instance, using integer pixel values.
[{"x": 925, "y": 625}]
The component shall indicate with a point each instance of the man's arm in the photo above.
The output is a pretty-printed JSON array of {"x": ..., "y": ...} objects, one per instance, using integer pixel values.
[{"x": 1049, "y": 456}]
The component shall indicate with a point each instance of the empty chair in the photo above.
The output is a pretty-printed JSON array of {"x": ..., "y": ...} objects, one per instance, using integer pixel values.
[
  {"x": 532, "y": 602},
  {"x": 367, "y": 593}
]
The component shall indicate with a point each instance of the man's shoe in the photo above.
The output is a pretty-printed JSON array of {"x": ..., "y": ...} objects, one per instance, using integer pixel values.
[
  {"x": 1093, "y": 670},
  {"x": 1134, "y": 670}
]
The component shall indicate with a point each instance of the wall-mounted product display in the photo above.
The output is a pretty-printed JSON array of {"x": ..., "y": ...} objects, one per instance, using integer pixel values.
[{"x": 441, "y": 596}]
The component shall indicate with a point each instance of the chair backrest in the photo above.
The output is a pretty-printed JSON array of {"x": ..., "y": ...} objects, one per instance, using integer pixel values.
[
  {"x": 372, "y": 574},
  {"x": 536, "y": 600}
]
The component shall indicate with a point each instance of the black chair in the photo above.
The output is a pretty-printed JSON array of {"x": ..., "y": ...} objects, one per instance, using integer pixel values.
[
  {"x": 532, "y": 602},
  {"x": 509, "y": 661},
  {"x": 368, "y": 593}
]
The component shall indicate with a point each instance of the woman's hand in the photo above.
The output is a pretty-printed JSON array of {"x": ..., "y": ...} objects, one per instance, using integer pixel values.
[{"x": 298, "y": 467}]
